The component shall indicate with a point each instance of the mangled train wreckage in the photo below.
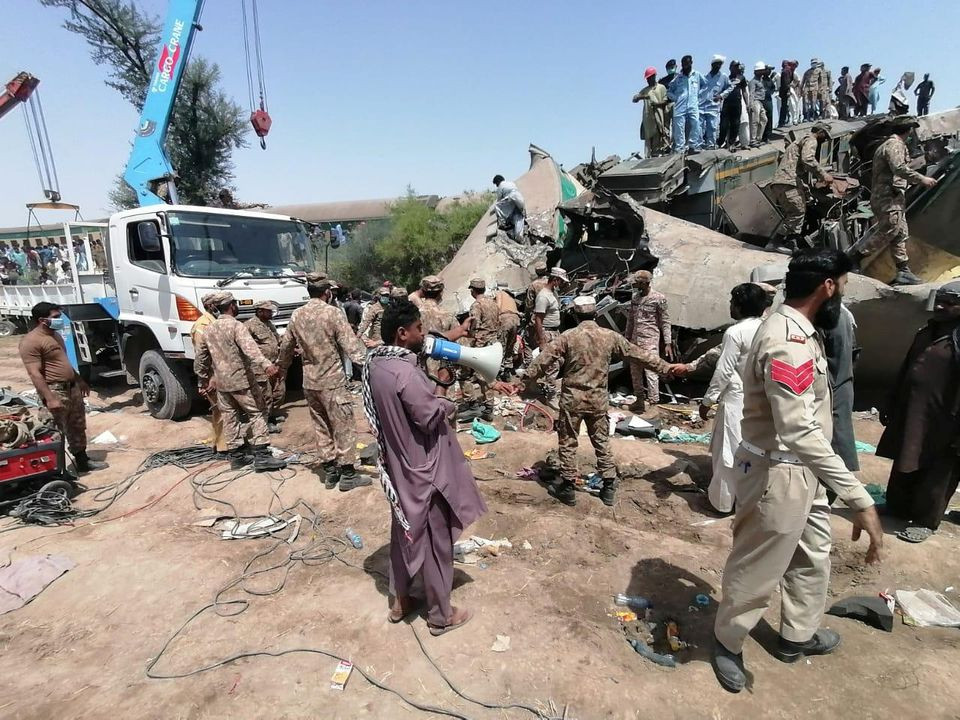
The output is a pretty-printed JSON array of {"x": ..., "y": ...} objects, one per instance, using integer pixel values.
[{"x": 699, "y": 223}]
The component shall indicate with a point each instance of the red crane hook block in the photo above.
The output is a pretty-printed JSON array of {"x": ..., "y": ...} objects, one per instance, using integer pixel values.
[{"x": 260, "y": 119}]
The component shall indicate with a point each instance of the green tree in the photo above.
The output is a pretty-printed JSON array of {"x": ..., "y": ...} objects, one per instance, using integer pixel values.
[{"x": 206, "y": 125}]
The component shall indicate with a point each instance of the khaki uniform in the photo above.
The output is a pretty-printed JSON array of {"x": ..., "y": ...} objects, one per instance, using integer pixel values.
[
  {"x": 370, "y": 322},
  {"x": 824, "y": 90},
  {"x": 789, "y": 183},
  {"x": 272, "y": 390},
  {"x": 196, "y": 331},
  {"x": 47, "y": 352},
  {"x": 810, "y": 92},
  {"x": 227, "y": 353},
  {"x": 529, "y": 331},
  {"x": 585, "y": 352},
  {"x": 435, "y": 320},
  {"x": 781, "y": 533},
  {"x": 323, "y": 333},
  {"x": 648, "y": 325},
  {"x": 484, "y": 331},
  {"x": 891, "y": 177}
]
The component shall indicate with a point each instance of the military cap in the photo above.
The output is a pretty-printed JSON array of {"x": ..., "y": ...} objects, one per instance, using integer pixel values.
[
  {"x": 559, "y": 272},
  {"x": 383, "y": 290},
  {"x": 221, "y": 299},
  {"x": 540, "y": 268},
  {"x": 585, "y": 304},
  {"x": 398, "y": 292},
  {"x": 431, "y": 283},
  {"x": 208, "y": 299},
  {"x": 640, "y": 275},
  {"x": 267, "y": 305},
  {"x": 950, "y": 288},
  {"x": 821, "y": 127},
  {"x": 315, "y": 277},
  {"x": 477, "y": 284}
]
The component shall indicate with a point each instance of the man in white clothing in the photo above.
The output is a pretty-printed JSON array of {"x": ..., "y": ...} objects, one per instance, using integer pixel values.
[
  {"x": 747, "y": 305},
  {"x": 510, "y": 207}
]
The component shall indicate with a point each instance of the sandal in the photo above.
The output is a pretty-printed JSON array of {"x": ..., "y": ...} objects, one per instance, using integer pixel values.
[
  {"x": 464, "y": 618},
  {"x": 915, "y": 534},
  {"x": 400, "y": 610}
]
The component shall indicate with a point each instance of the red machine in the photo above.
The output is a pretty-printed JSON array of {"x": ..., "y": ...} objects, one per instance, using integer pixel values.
[{"x": 42, "y": 459}]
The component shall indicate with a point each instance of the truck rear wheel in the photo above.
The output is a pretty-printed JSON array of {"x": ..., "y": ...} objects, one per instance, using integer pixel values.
[
  {"x": 165, "y": 386},
  {"x": 7, "y": 328}
]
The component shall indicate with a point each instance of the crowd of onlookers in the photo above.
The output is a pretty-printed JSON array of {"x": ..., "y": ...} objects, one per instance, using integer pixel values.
[{"x": 47, "y": 262}]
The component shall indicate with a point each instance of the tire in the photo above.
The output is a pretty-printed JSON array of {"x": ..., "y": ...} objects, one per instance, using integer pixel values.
[
  {"x": 7, "y": 328},
  {"x": 57, "y": 487},
  {"x": 165, "y": 387}
]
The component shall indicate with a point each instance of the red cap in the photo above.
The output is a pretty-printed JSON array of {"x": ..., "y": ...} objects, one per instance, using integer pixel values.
[{"x": 649, "y": 73}]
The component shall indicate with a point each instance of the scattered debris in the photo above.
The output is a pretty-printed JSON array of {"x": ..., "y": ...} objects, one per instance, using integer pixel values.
[
  {"x": 469, "y": 552},
  {"x": 483, "y": 433},
  {"x": 676, "y": 435},
  {"x": 527, "y": 546},
  {"x": 634, "y": 602},
  {"x": 624, "y": 616},
  {"x": 874, "y": 611},
  {"x": 354, "y": 538},
  {"x": 865, "y": 447},
  {"x": 341, "y": 675},
  {"x": 105, "y": 438},
  {"x": 501, "y": 644},
  {"x": 926, "y": 608},
  {"x": 528, "y": 473},
  {"x": 702, "y": 600},
  {"x": 22, "y": 580},
  {"x": 877, "y": 492},
  {"x": 644, "y": 650},
  {"x": 478, "y": 454},
  {"x": 258, "y": 527}
]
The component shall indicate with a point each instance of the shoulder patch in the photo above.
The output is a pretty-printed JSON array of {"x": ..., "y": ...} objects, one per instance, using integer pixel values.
[
  {"x": 797, "y": 339},
  {"x": 796, "y": 378}
]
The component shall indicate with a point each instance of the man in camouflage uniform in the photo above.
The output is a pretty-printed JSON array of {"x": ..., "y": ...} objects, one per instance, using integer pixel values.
[
  {"x": 437, "y": 320},
  {"x": 585, "y": 353},
  {"x": 529, "y": 330},
  {"x": 196, "y": 332},
  {"x": 648, "y": 326},
  {"x": 369, "y": 330},
  {"x": 789, "y": 187},
  {"x": 825, "y": 92},
  {"x": 227, "y": 361},
  {"x": 59, "y": 387},
  {"x": 891, "y": 177},
  {"x": 810, "y": 90},
  {"x": 264, "y": 333},
  {"x": 484, "y": 331},
  {"x": 323, "y": 335}
]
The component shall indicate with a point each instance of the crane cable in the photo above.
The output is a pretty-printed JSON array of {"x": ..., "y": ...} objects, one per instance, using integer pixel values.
[
  {"x": 40, "y": 144},
  {"x": 259, "y": 117}
]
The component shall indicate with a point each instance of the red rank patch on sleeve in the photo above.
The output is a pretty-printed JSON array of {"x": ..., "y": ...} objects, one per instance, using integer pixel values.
[{"x": 795, "y": 378}]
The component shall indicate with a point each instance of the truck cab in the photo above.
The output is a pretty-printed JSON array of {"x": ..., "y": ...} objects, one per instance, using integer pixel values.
[{"x": 134, "y": 316}]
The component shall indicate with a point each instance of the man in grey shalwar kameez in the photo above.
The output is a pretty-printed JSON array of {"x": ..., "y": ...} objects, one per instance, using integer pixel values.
[
  {"x": 840, "y": 345},
  {"x": 424, "y": 474}
]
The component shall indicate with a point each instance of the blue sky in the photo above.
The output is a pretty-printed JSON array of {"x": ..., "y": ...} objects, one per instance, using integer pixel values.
[{"x": 368, "y": 97}]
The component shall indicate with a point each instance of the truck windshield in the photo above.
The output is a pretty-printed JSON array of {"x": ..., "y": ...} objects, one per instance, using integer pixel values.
[{"x": 215, "y": 245}]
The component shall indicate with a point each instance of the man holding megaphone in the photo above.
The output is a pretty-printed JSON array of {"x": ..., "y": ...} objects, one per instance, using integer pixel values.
[
  {"x": 584, "y": 354},
  {"x": 484, "y": 332},
  {"x": 424, "y": 475}
]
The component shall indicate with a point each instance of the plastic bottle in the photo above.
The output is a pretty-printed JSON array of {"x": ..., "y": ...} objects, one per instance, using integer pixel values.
[
  {"x": 354, "y": 539},
  {"x": 634, "y": 602}
]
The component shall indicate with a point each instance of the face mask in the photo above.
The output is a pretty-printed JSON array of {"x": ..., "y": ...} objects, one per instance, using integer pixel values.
[
  {"x": 828, "y": 316},
  {"x": 57, "y": 323},
  {"x": 384, "y": 299}
]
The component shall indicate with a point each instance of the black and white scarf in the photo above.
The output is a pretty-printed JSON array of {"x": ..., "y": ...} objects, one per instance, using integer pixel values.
[{"x": 370, "y": 410}]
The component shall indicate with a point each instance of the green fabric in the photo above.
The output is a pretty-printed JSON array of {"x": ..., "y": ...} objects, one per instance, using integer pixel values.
[
  {"x": 568, "y": 191},
  {"x": 863, "y": 447},
  {"x": 484, "y": 433},
  {"x": 878, "y": 493},
  {"x": 683, "y": 437}
]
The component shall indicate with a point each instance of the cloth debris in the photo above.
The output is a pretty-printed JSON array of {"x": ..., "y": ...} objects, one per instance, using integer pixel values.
[
  {"x": 105, "y": 438},
  {"x": 927, "y": 608},
  {"x": 501, "y": 644},
  {"x": 865, "y": 447},
  {"x": 871, "y": 610},
  {"x": 258, "y": 527},
  {"x": 22, "y": 580},
  {"x": 478, "y": 454},
  {"x": 468, "y": 552},
  {"x": 878, "y": 493},
  {"x": 528, "y": 473},
  {"x": 484, "y": 433},
  {"x": 676, "y": 435}
]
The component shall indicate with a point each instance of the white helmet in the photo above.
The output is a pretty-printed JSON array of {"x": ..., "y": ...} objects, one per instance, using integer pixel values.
[{"x": 760, "y": 65}]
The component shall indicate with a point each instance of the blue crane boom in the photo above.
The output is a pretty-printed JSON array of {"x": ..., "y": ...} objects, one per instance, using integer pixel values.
[{"x": 149, "y": 164}]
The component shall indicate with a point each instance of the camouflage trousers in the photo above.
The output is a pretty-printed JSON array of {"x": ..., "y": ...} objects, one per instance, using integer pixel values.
[
  {"x": 272, "y": 391},
  {"x": 242, "y": 413},
  {"x": 598, "y": 430},
  {"x": 891, "y": 230},
  {"x": 640, "y": 373},
  {"x": 549, "y": 381},
  {"x": 71, "y": 417},
  {"x": 789, "y": 201},
  {"x": 216, "y": 420},
  {"x": 333, "y": 421},
  {"x": 509, "y": 325}
]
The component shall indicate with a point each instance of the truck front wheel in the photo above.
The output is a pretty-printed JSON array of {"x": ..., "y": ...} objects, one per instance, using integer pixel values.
[{"x": 165, "y": 386}]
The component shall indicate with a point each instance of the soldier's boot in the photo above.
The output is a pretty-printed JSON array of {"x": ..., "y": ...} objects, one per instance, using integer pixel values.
[
  {"x": 83, "y": 464},
  {"x": 608, "y": 491},
  {"x": 263, "y": 459},
  {"x": 486, "y": 412},
  {"x": 728, "y": 667},
  {"x": 350, "y": 478},
  {"x": 239, "y": 457},
  {"x": 331, "y": 475},
  {"x": 823, "y": 642},
  {"x": 565, "y": 492},
  {"x": 273, "y": 428},
  {"x": 905, "y": 276},
  {"x": 469, "y": 411}
]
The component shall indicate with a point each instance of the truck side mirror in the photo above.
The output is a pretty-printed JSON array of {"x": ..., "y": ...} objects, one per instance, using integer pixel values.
[{"x": 149, "y": 237}]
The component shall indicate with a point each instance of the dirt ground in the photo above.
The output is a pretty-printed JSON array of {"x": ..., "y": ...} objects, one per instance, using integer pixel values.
[{"x": 81, "y": 649}]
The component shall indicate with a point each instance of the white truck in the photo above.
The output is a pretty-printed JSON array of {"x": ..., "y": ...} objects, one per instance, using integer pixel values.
[{"x": 134, "y": 317}]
